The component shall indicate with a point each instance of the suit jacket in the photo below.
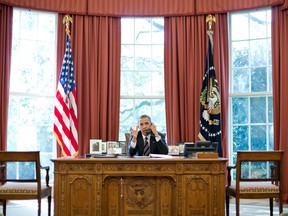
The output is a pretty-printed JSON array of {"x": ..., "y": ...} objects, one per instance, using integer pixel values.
[{"x": 159, "y": 147}]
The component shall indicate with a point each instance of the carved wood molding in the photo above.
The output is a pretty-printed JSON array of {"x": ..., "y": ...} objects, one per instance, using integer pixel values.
[{"x": 138, "y": 168}]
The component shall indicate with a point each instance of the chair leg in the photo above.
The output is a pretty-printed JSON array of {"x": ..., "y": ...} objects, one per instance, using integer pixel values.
[
  {"x": 280, "y": 205},
  {"x": 49, "y": 205},
  {"x": 227, "y": 205},
  {"x": 237, "y": 206},
  {"x": 271, "y": 206},
  {"x": 4, "y": 207},
  {"x": 39, "y": 207}
]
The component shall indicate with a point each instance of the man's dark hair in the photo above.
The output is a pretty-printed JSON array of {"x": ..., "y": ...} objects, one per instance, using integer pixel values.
[{"x": 145, "y": 116}]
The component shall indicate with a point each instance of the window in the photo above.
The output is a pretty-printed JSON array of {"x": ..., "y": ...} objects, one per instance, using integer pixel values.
[
  {"x": 32, "y": 86},
  {"x": 142, "y": 72},
  {"x": 250, "y": 99}
]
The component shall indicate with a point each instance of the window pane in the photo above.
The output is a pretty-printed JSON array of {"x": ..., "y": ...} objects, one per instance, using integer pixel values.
[
  {"x": 239, "y": 26},
  {"x": 269, "y": 69},
  {"x": 258, "y": 24},
  {"x": 240, "y": 138},
  {"x": 157, "y": 57},
  {"x": 258, "y": 110},
  {"x": 259, "y": 79},
  {"x": 271, "y": 137},
  {"x": 143, "y": 31},
  {"x": 142, "y": 57},
  {"x": 241, "y": 80},
  {"x": 47, "y": 34},
  {"x": 143, "y": 83},
  {"x": 28, "y": 25},
  {"x": 240, "y": 54},
  {"x": 127, "y": 83},
  {"x": 12, "y": 137},
  {"x": 157, "y": 31},
  {"x": 157, "y": 81},
  {"x": 258, "y": 52},
  {"x": 127, "y": 32},
  {"x": 270, "y": 109},
  {"x": 127, "y": 57},
  {"x": 258, "y": 140},
  {"x": 127, "y": 112},
  {"x": 240, "y": 110},
  {"x": 268, "y": 22}
]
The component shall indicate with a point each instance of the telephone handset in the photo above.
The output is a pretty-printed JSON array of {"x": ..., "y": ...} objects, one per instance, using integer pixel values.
[{"x": 148, "y": 131}]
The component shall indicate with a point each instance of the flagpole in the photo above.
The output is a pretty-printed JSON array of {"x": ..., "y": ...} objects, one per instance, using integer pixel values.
[{"x": 209, "y": 19}]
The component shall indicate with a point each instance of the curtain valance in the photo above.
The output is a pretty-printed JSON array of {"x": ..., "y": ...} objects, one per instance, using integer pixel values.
[{"x": 121, "y": 8}]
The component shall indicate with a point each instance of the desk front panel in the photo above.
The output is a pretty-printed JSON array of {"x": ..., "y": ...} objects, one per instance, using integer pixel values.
[{"x": 139, "y": 186}]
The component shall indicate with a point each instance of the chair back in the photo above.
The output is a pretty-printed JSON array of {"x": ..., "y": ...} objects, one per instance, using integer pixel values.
[
  {"x": 273, "y": 160},
  {"x": 28, "y": 156},
  {"x": 23, "y": 156}
]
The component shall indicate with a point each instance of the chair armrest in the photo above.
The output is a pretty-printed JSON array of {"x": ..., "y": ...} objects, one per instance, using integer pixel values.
[
  {"x": 47, "y": 168},
  {"x": 229, "y": 168},
  {"x": 2, "y": 172},
  {"x": 274, "y": 172}
]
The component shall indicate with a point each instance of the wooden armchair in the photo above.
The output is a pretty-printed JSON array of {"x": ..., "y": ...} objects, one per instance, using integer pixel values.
[
  {"x": 252, "y": 179},
  {"x": 23, "y": 188}
]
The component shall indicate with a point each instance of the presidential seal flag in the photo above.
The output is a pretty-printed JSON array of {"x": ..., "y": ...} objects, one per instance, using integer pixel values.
[
  {"x": 210, "y": 125},
  {"x": 65, "y": 110}
]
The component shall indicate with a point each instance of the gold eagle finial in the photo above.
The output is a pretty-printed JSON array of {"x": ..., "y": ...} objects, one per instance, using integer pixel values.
[
  {"x": 210, "y": 19},
  {"x": 66, "y": 20}
]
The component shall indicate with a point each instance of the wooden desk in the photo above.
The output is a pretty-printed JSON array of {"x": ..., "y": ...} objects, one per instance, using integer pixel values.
[{"x": 135, "y": 186}]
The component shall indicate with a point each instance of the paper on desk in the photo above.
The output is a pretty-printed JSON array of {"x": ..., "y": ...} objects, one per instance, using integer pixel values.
[
  {"x": 160, "y": 156},
  {"x": 136, "y": 156}
]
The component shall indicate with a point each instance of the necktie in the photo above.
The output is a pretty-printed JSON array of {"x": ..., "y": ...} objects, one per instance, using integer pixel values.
[{"x": 146, "y": 147}]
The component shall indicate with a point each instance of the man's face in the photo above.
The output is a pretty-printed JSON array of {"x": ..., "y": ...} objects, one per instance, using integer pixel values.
[{"x": 144, "y": 124}]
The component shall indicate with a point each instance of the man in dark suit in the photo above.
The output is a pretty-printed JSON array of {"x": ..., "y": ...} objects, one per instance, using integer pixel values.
[{"x": 145, "y": 139}]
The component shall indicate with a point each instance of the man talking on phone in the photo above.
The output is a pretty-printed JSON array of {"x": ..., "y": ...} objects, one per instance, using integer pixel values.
[{"x": 145, "y": 139}]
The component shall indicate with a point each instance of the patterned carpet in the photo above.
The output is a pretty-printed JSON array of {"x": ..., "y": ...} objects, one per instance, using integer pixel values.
[{"x": 248, "y": 208}]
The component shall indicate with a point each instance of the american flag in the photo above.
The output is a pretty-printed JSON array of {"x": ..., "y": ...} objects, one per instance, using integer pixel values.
[
  {"x": 65, "y": 110},
  {"x": 210, "y": 125}
]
